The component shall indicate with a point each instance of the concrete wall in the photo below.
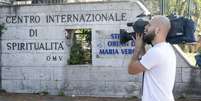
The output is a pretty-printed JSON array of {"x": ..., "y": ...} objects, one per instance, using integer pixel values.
[
  {"x": 33, "y": 71},
  {"x": 188, "y": 79},
  {"x": 26, "y": 70}
]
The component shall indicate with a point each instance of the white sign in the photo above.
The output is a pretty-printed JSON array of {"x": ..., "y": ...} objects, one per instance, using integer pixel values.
[{"x": 35, "y": 35}]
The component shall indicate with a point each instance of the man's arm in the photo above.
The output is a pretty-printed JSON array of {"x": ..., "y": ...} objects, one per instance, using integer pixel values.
[{"x": 135, "y": 66}]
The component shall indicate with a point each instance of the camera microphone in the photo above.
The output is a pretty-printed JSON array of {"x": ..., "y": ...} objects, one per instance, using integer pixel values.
[{"x": 130, "y": 24}]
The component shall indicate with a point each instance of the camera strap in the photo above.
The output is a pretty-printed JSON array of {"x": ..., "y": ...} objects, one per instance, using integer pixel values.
[{"x": 142, "y": 83}]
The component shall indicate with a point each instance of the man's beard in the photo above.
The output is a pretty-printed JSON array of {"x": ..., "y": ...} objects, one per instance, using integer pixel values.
[{"x": 148, "y": 38}]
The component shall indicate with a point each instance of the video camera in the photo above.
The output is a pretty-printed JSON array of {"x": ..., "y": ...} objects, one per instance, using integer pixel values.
[{"x": 182, "y": 30}]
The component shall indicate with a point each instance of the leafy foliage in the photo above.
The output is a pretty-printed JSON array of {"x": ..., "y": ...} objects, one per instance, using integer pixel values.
[
  {"x": 76, "y": 54},
  {"x": 181, "y": 7},
  {"x": 80, "y": 52},
  {"x": 187, "y": 8},
  {"x": 2, "y": 28}
]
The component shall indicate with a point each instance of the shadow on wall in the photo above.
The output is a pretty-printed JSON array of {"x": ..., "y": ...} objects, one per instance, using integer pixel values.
[
  {"x": 190, "y": 85},
  {"x": 194, "y": 85}
]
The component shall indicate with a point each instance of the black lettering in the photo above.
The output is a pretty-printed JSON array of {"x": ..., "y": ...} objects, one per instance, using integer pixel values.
[
  {"x": 32, "y": 19},
  {"x": 31, "y": 45},
  {"x": 8, "y": 18},
  {"x": 35, "y": 46},
  {"x": 9, "y": 46},
  {"x": 27, "y": 46},
  {"x": 47, "y": 19},
  {"x": 123, "y": 17},
  {"x": 14, "y": 19},
  {"x": 98, "y": 17},
  {"x": 57, "y": 18},
  {"x": 48, "y": 48},
  {"x": 50, "y": 19},
  {"x": 111, "y": 18},
  {"x": 22, "y": 46},
  {"x": 67, "y": 18},
  {"x": 60, "y": 58},
  {"x": 82, "y": 18},
  {"x": 61, "y": 46},
  {"x": 37, "y": 19},
  {"x": 41, "y": 47},
  {"x": 93, "y": 18},
  {"x": 33, "y": 32},
  {"x": 19, "y": 19},
  {"x": 26, "y": 19},
  {"x": 75, "y": 18},
  {"x": 48, "y": 58},
  {"x": 14, "y": 45},
  {"x": 22, "y": 19},
  {"x": 55, "y": 45},
  {"x": 63, "y": 18},
  {"x": 88, "y": 17},
  {"x": 116, "y": 17},
  {"x": 104, "y": 16},
  {"x": 54, "y": 58}
]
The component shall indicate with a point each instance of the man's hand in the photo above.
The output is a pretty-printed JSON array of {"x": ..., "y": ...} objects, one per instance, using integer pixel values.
[
  {"x": 135, "y": 66},
  {"x": 139, "y": 44}
]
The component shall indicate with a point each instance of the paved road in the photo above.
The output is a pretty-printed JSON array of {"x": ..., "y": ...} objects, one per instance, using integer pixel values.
[{"x": 34, "y": 97}]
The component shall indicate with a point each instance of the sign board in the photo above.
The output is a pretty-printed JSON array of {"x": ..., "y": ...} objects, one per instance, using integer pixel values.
[{"x": 35, "y": 35}]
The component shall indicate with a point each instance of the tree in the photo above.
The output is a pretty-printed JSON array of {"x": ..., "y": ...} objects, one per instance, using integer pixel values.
[
  {"x": 191, "y": 9},
  {"x": 181, "y": 7},
  {"x": 152, "y": 5},
  {"x": 2, "y": 28},
  {"x": 80, "y": 52}
]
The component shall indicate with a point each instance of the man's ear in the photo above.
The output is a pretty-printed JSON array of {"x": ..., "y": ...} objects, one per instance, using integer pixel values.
[{"x": 157, "y": 30}]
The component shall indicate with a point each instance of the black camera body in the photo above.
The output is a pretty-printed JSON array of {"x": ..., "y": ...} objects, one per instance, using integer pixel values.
[
  {"x": 138, "y": 27},
  {"x": 182, "y": 30}
]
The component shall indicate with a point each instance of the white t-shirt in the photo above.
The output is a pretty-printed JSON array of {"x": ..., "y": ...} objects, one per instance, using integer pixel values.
[{"x": 159, "y": 78}]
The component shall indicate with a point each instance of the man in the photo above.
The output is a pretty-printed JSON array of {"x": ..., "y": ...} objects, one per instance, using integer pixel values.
[{"x": 158, "y": 63}]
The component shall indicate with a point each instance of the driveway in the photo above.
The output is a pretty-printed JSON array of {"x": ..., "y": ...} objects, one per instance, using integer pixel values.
[{"x": 37, "y": 97}]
